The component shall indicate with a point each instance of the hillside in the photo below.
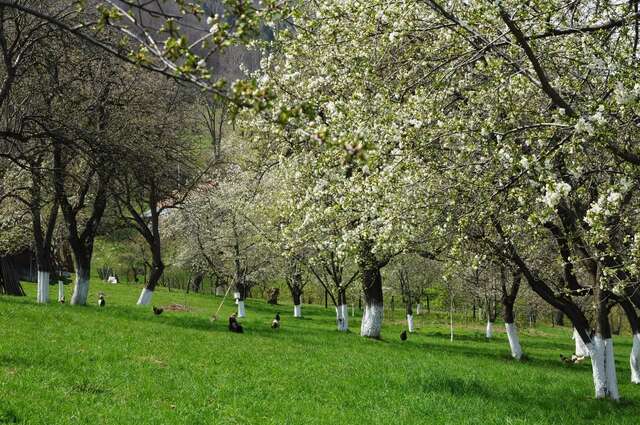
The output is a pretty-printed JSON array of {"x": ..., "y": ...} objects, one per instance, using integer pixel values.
[{"x": 122, "y": 365}]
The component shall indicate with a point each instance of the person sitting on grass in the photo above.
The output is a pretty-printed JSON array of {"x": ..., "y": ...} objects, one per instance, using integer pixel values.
[{"x": 234, "y": 326}]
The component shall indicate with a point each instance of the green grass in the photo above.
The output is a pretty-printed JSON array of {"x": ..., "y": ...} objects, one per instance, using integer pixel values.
[{"x": 61, "y": 364}]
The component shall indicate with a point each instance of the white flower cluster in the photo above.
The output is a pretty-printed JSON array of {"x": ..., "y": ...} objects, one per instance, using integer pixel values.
[
  {"x": 584, "y": 126},
  {"x": 604, "y": 207},
  {"x": 554, "y": 192},
  {"x": 624, "y": 96},
  {"x": 505, "y": 156}
]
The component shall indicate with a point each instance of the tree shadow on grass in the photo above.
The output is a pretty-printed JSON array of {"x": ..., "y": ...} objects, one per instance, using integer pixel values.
[
  {"x": 491, "y": 352},
  {"x": 14, "y": 360},
  {"x": 527, "y": 341},
  {"x": 252, "y": 327},
  {"x": 12, "y": 299},
  {"x": 472, "y": 387},
  {"x": 477, "y": 337},
  {"x": 8, "y": 416}
]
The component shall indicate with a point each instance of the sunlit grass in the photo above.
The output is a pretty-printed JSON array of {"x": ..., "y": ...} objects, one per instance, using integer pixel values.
[{"x": 61, "y": 364}]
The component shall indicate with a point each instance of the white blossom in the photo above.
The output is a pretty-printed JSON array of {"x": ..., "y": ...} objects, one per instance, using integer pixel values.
[
  {"x": 584, "y": 126},
  {"x": 555, "y": 192}
]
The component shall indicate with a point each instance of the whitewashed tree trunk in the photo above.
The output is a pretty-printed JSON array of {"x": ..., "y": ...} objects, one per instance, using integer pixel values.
[
  {"x": 604, "y": 369},
  {"x": 365, "y": 319},
  {"x": 635, "y": 359},
  {"x": 345, "y": 317},
  {"x": 43, "y": 287},
  {"x": 236, "y": 295},
  {"x": 610, "y": 367},
  {"x": 145, "y": 297},
  {"x": 418, "y": 309},
  {"x": 241, "y": 312},
  {"x": 514, "y": 340},
  {"x": 596, "y": 351},
  {"x": 60, "y": 291},
  {"x": 297, "y": 310},
  {"x": 342, "y": 317},
  {"x": 81, "y": 288},
  {"x": 410, "y": 322},
  {"x": 489, "y": 331},
  {"x": 581, "y": 347},
  {"x": 372, "y": 320}
]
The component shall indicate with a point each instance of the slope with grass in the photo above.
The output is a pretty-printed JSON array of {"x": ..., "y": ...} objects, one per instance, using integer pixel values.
[{"x": 62, "y": 364}]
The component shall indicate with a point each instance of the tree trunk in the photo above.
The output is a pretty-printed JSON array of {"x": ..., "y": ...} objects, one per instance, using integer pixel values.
[
  {"x": 597, "y": 344},
  {"x": 509, "y": 295},
  {"x": 601, "y": 349},
  {"x": 147, "y": 291},
  {"x": 372, "y": 288},
  {"x": 514, "y": 340},
  {"x": 81, "y": 288},
  {"x": 558, "y": 318},
  {"x": 81, "y": 241},
  {"x": 635, "y": 359},
  {"x": 82, "y": 263},
  {"x": 42, "y": 296},
  {"x": 43, "y": 236},
  {"x": 342, "y": 312},
  {"x": 197, "y": 282},
  {"x": 581, "y": 347},
  {"x": 634, "y": 324},
  {"x": 43, "y": 260},
  {"x": 489, "y": 331},
  {"x": 409, "y": 318},
  {"x": 60, "y": 291},
  {"x": 241, "y": 310},
  {"x": 151, "y": 233},
  {"x": 239, "y": 279},
  {"x": 296, "y": 295},
  {"x": 272, "y": 295},
  {"x": 508, "y": 311},
  {"x": 295, "y": 283},
  {"x": 9, "y": 283}
]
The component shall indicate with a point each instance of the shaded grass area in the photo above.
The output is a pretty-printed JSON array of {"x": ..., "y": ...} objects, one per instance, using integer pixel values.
[{"x": 62, "y": 364}]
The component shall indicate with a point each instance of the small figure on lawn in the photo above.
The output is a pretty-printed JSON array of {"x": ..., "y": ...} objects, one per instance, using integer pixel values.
[
  {"x": 101, "y": 301},
  {"x": 276, "y": 322},
  {"x": 157, "y": 310},
  {"x": 234, "y": 326},
  {"x": 403, "y": 335},
  {"x": 574, "y": 359}
]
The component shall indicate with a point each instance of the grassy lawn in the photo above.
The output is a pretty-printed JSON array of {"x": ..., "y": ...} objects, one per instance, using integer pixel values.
[{"x": 122, "y": 365}]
